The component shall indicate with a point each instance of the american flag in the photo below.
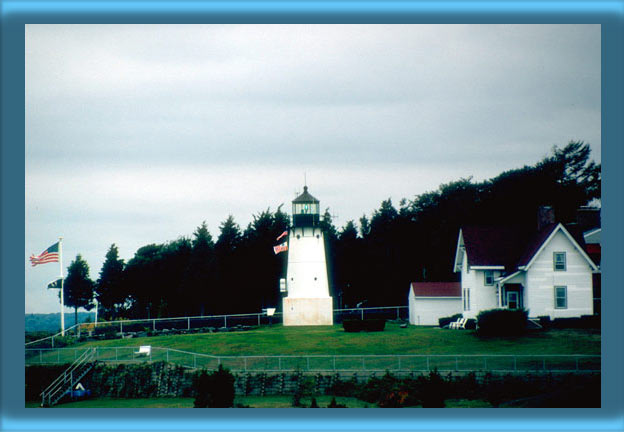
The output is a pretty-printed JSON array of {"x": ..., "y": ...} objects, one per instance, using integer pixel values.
[
  {"x": 49, "y": 255},
  {"x": 285, "y": 233},
  {"x": 280, "y": 248}
]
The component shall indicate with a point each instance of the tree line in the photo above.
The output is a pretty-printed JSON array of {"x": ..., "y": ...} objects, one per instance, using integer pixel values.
[{"x": 370, "y": 262}]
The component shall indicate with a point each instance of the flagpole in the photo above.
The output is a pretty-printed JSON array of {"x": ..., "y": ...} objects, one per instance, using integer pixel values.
[{"x": 62, "y": 299}]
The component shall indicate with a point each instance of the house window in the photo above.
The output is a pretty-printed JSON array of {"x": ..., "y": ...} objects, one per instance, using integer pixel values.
[
  {"x": 466, "y": 299},
  {"x": 559, "y": 261},
  {"x": 561, "y": 297},
  {"x": 489, "y": 277}
]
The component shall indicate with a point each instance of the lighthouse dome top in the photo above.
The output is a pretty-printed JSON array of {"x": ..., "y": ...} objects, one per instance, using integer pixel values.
[{"x": 305, "y": 197}]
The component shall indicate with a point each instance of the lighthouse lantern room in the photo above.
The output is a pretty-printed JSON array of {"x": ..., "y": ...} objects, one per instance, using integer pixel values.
[{"x": 308, "y": 301}]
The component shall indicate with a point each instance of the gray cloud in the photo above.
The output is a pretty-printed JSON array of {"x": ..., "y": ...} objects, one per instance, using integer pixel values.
[{"x": 135, "y": 134}]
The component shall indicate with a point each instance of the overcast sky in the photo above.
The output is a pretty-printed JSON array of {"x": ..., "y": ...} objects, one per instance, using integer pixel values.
[{"x": 137, "y": 134}]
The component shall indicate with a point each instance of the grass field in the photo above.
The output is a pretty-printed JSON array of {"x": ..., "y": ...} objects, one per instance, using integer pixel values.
[
  {"x": 251, "y": 401},
  {"x": 280, "y": 340}
]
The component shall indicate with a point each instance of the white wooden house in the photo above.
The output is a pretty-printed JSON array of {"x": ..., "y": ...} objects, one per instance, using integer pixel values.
[
  {"x": 430, "y": 301},
  {"x": 548, "y": 272}
]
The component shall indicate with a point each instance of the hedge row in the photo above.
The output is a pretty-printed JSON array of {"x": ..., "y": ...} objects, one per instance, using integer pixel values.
[{"x": 369, "y": 325}]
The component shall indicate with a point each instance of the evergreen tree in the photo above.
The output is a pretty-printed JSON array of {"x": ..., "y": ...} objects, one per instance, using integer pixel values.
[
  {"x": 201, "y": 274},
  {"x": 109, "y": 288},
  {"x": 78, "y": 287},
  {"x": 227, "y": 258}
]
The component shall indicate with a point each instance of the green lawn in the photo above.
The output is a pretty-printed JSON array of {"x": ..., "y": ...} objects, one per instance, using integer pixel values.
[
  {"x": 251, "y": 401},
  {"x": 280, "y": 340}
]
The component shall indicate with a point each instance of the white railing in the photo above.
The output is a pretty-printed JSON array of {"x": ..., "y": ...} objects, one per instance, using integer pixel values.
[
  {"x": 327, "y": 363},
  {"x": 196, "y": 322},
  {"x": 68, "y": 378}
]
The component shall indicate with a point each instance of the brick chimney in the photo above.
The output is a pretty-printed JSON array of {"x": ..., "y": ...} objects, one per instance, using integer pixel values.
[{"x": 545, "y": 216}]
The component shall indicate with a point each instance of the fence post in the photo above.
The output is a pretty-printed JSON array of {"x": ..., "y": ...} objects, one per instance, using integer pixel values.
[
  {"x": 258, "y": 320},
  {"x": 188, "y": 323},
  {"x": 225, "y": 320},
  {"x": 362, "y": 310},
  {"x": 121, "y": 328},
  {"x": 153, "y": 325},
  {"x": 397, "y": 310},
  {"x": 52, "y": 341}
]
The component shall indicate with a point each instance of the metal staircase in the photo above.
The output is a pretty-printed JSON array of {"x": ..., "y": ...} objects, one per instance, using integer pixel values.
[{"x": 70, "y": 377}]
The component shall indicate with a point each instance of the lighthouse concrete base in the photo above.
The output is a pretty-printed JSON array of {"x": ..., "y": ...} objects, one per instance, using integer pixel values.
[{"x": 308, "y": 311}]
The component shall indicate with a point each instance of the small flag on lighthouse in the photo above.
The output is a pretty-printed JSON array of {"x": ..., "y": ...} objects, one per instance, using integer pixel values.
[
  {"x": 280, "y": 248},
  {"x": 285, "y": 233},
  {"x": 49, "y": 255}
]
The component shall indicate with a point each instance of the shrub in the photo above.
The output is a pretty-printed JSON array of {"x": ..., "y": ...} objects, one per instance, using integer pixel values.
[
  {"x": 378, "y": 389},
  {"x": 371, "y": 324},
  {"x": 502, "y": 322},
  {"x": 344, "y": 388},
  {"x": 333, "y": 404},
  {"x": 471, "y": 324},
  {"x": 107, "y": 331},
  {"x": 443, "y": 322},
  {"x": 215, "y": 390},
  {"x": 434, "y": 391},
  {"x": 584, "y": 322},
  {"x": 352, "y": 325}
]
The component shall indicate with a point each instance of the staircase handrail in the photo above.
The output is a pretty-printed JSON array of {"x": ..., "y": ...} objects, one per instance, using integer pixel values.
[{"x": 86, "y": 357}]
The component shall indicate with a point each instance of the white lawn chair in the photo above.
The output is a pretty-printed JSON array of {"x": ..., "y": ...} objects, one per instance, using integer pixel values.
[
  {"x": 145, "y": 350},
  {"x": 459, "y": 324}
]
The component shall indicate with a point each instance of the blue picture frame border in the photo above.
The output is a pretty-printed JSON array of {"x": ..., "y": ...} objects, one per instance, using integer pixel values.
[{"x": 15, "y": 14}]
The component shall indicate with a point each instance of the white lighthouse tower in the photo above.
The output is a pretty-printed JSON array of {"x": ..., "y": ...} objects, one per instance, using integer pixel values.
[{"x": 308, "y": 301}]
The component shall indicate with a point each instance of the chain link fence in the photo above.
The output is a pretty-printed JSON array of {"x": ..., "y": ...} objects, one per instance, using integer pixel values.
[
  {"x": 197, "y": 324},
  {"x": 326, "y": 363}
]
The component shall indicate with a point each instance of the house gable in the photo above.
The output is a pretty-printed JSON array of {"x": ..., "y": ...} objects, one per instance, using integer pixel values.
[{"x": 525, "y": 265}]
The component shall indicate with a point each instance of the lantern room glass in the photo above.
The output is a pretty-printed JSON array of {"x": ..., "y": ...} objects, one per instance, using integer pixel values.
[{"x": 305, "y": 208}]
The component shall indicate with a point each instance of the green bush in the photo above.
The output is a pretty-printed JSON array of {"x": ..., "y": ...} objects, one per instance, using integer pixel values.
[
  {"x": 357, "y": 325},
  {"x": 443, "y": 322},
  {"x": 583, "y": 322},
  {"x": 333, "y": 404},
  {"x": 215, "y": 390},
  {"x": 502, "y": 322},
  {"x": 352, "y": 325}
]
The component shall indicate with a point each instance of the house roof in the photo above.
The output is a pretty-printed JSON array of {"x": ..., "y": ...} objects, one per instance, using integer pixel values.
[
  {"x": 494, "y": 245},
  {"x": 436, "y": 289},
  {"x": 508, "y": 246},
  {"x": 305, "y": 197}
]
